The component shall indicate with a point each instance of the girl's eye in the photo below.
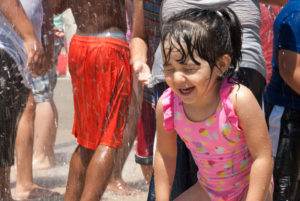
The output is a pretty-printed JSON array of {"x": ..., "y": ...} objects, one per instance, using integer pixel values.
[
  {"x": 168, "y": 70},
  {"x": 190, "y": 69}
]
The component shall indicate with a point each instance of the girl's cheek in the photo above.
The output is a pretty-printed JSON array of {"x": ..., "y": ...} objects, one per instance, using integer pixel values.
[
  {"x": 168, "y": 76},
  {"x": 168, "y": 80}
]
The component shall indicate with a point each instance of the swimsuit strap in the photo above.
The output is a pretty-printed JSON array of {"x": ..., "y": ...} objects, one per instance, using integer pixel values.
[
  {"x": 225, "y": 89},
  {"x": 226, "y": 102},
  {"x": 168, "y": 109}
]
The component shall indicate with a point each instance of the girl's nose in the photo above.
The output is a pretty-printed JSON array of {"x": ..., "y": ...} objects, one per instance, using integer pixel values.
[{"x": 179, "y": 77}]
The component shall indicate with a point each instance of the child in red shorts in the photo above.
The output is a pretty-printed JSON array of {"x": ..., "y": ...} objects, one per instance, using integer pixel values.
[{"x": 101, "y": 78}]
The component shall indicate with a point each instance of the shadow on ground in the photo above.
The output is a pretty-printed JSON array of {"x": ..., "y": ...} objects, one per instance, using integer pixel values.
[
  {"x": 47, "y": 182},
  {"x": 62, "y": 159},
  {"x": 55, "y": 198},
  {"x": 140, "y": 184}
]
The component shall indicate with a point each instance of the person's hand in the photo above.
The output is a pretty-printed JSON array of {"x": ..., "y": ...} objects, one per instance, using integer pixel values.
[
  {"x": 37, "y": 62},
  {"x": 58, "y": 33},
  {"x": 142, "y": 71}
]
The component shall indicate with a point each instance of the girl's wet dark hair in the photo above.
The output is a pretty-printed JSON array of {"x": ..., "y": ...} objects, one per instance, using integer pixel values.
[{"x": 208, "y": 33}]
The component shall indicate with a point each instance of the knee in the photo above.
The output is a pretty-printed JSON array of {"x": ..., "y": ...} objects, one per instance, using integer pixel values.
[
  {"x": 106, "y": 154},
  {"x": 30, "y": 107}
]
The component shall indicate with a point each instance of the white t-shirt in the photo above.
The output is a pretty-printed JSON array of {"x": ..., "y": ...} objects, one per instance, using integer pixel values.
[{"x": 12, "y": 43}]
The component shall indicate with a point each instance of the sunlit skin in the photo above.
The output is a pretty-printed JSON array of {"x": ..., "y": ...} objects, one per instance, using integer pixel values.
[
  {"x": 96, "y": 16},
  {"x": 195, "y": 84},
  {"x": 289, "y": 63},
  {"x": 102, "y": 15}
]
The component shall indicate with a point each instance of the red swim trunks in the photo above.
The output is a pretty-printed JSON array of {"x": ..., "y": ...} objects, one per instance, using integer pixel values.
[{"x": 102, "y": 81}]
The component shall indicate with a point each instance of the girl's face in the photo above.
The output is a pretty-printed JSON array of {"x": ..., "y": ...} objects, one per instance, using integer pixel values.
[{"x": 191, "y": 82}]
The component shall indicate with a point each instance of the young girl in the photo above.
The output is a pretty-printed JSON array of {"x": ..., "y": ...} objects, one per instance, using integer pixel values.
[{"x": 220, "y": 121}]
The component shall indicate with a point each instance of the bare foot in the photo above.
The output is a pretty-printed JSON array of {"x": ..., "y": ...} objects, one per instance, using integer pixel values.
[
  {"x": 121, "y": 187},
  {"x": 33, "y": 193}
]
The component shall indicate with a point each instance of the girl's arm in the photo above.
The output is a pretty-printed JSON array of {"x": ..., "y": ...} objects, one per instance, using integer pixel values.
[
  {"x": 252, "y": 122},
  {"x": 165, "y": 157}
]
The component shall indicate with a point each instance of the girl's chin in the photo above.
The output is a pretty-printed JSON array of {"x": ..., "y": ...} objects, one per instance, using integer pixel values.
[{"x": 188, "y": 99}]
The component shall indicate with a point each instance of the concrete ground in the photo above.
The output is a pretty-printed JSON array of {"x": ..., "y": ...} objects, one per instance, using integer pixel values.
[{"x": 56, "y": 177}]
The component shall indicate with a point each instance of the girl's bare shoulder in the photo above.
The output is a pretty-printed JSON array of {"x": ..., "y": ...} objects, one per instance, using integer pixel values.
[{"x": 242, "y": 96}]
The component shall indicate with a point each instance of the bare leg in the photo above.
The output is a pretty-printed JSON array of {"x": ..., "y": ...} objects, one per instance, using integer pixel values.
[
  {"x": 23, "y": 147},
  {"x": 117, "y": 184},
  {"x": 98, "y": 173},
  {"x": 147, "y": 172},
  {"x": 45, "y": 126},
  {"x": 5, "y": 192},
  {"x": 78, "y": 166},
  {"x": 25, "y": 188},
  {"x": 53, "y": 134},
  {"x": 196, "y": 192}
]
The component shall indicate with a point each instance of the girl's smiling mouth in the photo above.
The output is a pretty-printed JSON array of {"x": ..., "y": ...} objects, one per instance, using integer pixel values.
[{"x": 186, "y": 91}]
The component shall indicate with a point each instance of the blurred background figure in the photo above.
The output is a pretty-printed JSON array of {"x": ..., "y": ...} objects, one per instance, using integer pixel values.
[
  {"x": 268, "y": 15},
  {"x": 282, "y": 102},
  {"x": 116, "y": 183},
  {"x": 43, "y": 151},
  {"x": 21, "y": 55},
  {"x": 145, "y": 40},
  {"x": 39, "y": 119},
  {"x": 101, "y": 89}
]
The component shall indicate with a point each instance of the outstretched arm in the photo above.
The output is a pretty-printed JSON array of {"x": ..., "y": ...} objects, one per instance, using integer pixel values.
[
  {"x": 15, "y": 14},
  {"x": 138, "y": 46},
  {"x": 165, "y": 158},
  {"x": 252, "y": 122}
]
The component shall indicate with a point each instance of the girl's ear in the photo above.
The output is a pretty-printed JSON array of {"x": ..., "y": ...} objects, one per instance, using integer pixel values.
[{"x": 223, "y": 63}]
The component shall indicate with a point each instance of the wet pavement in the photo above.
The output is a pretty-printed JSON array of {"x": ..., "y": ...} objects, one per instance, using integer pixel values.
[{"x": 56, "y": 178}]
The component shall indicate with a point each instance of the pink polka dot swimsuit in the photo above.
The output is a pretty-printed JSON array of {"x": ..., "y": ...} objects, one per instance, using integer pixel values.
[{"x": 217, "y": 144}]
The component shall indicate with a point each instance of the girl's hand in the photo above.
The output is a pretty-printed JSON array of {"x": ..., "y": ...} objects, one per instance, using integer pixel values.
[{"x": 37, "y": 62}]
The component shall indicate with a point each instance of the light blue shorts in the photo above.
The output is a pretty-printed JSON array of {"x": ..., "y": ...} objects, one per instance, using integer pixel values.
[{"x": 43, "y": 87}]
